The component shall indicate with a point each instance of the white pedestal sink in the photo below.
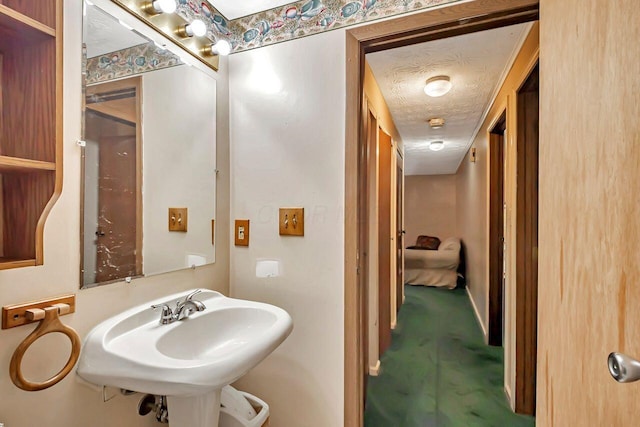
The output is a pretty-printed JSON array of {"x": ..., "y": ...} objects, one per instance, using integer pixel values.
[{"x": 189, "y": 360}]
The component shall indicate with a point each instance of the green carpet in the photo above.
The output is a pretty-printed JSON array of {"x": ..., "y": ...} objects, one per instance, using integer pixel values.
[{"x": 438, "y": 371}]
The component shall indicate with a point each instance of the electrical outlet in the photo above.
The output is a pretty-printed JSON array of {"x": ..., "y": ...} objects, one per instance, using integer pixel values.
[{"x": 242, "y": 232}]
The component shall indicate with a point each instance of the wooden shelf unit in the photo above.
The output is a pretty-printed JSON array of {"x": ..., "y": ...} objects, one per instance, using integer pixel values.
[{"x": 30, "y": 125}]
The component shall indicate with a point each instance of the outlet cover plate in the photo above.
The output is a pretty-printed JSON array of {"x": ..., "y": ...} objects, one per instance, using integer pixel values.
[{"x": 242, "y": 232}]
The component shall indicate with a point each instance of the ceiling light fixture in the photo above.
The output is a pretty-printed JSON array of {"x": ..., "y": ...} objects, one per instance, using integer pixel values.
[
  {"x": 221, "y": 47},
  {"x": 156, "y": 7},
  {"x": 197, "y": 28},
  {"x": 436, "y": 145},
  {"x": 436, "y": 123},
  {"x": 438, "y": 86}
]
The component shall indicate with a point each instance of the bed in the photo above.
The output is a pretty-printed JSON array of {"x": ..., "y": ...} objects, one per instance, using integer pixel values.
[{"x": 433, "y": 267}]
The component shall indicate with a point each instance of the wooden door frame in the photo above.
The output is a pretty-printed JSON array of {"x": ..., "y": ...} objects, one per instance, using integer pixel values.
[
  {"x": 399, "y": 229},
  {"x": 496, "y": 139},
  {"x": 130, "y": 82},
  {"x": 526, "y": 252},
  {"x": 437, "y": 23}
]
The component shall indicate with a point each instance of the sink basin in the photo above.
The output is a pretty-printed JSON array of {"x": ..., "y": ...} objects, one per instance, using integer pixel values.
[{"x": 187, "y": 360}]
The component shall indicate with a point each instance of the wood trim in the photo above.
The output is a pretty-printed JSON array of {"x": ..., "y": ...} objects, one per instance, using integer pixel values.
[
  {"x": 16, "y": 164},
  {"x": 9, "y": 263},
  {"x": 458, "y": 18},
  {"x": 26, "y": 26},
  {"x": 354, "y": 355},
  {"x": 59, "y": 135},
  {"x": 527, "y": 107}
]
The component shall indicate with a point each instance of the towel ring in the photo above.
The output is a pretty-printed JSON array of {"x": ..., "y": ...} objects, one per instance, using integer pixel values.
[{"x": 50, "y": 323}]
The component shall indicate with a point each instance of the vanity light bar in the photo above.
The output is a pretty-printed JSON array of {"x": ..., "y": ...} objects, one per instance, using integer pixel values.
[{"x": 191, "y": 36}]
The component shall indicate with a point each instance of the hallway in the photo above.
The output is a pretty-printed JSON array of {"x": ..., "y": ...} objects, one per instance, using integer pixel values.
[{"x": 438, "y": 372}]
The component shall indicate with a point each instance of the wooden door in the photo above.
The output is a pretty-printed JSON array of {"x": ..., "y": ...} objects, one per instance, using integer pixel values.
[
  {"x": 385, "y": 150},
  {"x": 589, "y": 222},
  {"x": 399, "y": 232},
  {"x": 116, "y": 234}
]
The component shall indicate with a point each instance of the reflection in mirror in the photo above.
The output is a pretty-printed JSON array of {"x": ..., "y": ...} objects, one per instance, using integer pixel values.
[{"x": 149, "y": 134}]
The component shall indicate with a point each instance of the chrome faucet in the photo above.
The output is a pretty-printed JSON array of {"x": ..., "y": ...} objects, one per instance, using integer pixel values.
[
  {"x": 188, "y": 306},
  {"x": 183, "y": 309}
]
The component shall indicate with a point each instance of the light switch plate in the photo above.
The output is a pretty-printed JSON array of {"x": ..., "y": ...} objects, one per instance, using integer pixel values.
[
  {"x": 242, "y": 232},
  {"x": 178, "y": 219},
  {"x": 291, "y": 221}
]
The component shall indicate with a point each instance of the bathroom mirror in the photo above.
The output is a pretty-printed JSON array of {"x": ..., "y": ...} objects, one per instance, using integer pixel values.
[{"x": 149, "y": 141}]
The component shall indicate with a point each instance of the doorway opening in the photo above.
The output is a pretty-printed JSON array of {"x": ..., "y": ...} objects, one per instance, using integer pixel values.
[
  {"x": 496, "y": 230},
  {"x": 430, "y": 25}
]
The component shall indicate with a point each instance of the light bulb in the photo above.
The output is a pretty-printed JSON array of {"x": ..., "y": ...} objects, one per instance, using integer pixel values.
[
  {"x": 436, "y": 145},
  {"x": 221, "y": 47},
  {"x": 197, "y": 28},
  {"x": 437, "y": 86},
  {"x": 164, "y": 6}
]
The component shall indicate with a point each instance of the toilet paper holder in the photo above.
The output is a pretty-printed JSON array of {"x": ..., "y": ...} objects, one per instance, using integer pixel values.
[{"x": 49, "y": 322}]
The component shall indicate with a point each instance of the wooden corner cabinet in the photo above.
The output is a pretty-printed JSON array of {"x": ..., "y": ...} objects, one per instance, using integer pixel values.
[{"x": 30, "y": 125}]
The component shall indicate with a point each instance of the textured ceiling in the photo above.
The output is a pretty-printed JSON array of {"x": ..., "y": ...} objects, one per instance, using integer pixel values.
[
  {"x": 234, "y": 9},
  {"x": 104, "y": 34},
  {"x": 477, "y": 64}
]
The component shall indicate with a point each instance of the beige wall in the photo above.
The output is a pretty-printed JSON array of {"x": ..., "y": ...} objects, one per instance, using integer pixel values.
[
  {"x": 287, "y": 132},
  {"x": 70, "y": 403},
  {"x": 430, "y": 206},
  {"x": 473, "y": 196}
]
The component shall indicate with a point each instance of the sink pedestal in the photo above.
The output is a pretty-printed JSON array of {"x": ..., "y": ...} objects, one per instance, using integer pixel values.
[{"x": 194, "y": 411}]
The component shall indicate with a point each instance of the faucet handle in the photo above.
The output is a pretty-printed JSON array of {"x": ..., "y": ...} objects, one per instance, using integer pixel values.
[{"x": 167, "y": 313}]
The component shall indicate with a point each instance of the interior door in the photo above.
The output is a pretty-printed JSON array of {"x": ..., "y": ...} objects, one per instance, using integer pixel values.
[
  {"x": 399, "y": 232},
  {"x": 116, "y": 233},
  {"x": 385, "y": 150},
  {"x": 589, "y": 226}
]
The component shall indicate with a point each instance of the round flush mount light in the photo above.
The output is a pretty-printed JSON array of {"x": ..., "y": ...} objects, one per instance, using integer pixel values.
[
  {"x": 437, "y": 86},
  {"x": 436, "y": 123},
  {"x": 436, "y": 145},
  {"x": 221, "y": 47},
  {"x": 197, "y": 28},
  {"x": 163, "y": 6}
]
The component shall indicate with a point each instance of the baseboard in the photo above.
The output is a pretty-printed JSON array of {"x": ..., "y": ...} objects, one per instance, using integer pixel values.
[
  {"x": 507, "y": 392},
  {"x": 475, "y": 310},
  {"x": 374, "y": 371},
  {"x": 394, "y": 324}
]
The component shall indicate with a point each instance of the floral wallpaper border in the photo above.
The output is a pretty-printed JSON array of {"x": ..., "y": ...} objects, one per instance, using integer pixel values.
[
  {"x": 308, "y": 17},
  {"x": 129, "y": 62}
]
